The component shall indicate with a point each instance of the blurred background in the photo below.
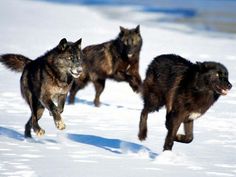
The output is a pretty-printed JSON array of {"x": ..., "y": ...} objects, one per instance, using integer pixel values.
[{"x": 204, "y": 15}]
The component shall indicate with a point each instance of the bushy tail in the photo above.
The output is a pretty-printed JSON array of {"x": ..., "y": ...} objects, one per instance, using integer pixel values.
[{"x": 14, "y": 62}]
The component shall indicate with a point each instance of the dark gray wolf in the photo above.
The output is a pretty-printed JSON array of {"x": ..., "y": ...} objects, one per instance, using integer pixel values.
[
  {"x": 117, "y": 59},
  {"x": 46, "y": 80},
  {"x": 187, "y": 90}
]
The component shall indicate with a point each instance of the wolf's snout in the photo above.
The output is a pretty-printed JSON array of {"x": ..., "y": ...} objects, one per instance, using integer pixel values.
[
  {"x": 229, "y": 85},
  {"x": 75, "y": 72}
]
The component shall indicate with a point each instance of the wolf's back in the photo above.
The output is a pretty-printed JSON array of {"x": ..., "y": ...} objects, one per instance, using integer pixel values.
[{"x": 14, "y": 62}]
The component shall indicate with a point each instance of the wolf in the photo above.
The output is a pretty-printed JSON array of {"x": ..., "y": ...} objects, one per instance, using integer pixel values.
[
  {"x": 117, "y": 59},
  {"x": 46, "y": 81},
  {"x": 186, "y": 89}
]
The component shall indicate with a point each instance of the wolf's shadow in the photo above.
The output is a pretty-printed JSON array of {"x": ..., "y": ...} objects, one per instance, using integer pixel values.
[
  {"x": 90, "y": 103},
  {"x": 113, "y": 145},
  {"x": 7, "y": 132},
  {"x": 13, "y": 134}
]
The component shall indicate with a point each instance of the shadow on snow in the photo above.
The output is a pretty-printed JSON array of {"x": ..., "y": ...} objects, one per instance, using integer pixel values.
[
  {"x": 7, "y": 132},
  {"x": 90, "y": 103},
  {"x": 10, "y": 133},
  {"x": 113, "y": 145}
]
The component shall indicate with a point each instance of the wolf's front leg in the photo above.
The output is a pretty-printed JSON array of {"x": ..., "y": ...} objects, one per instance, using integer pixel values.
[
  {"x": 188, "y": 136},
  {"x": 173, "y": 121},
  {"x": 134, "y": 78},
  {"x": 135, "y": 83},
  {"x": 54, "y": 111}
]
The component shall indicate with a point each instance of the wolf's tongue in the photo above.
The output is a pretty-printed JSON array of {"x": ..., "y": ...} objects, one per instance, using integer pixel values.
[{"x": 224, "y": 92}]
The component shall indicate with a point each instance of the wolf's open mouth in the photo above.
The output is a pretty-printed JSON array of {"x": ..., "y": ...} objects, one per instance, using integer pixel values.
[
  {"x": 222, "y": 91},
  {"x": 75, "y": 72},
  {"x": 130, "y": 55}
]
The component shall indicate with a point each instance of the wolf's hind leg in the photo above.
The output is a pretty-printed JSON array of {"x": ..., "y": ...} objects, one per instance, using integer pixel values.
[
  {"x": 188, "y": 136},
  {"x": 37, "y": 113},
  {"x": 143, "y": 125},
  {"x": 28, "y": 127},
  {"x": 99, "y": 87},
  {"x": 33, "y": 123},
  {"x": 74, "y": 89},
  {"x": 77, "y": 85},
  {"x": 61, "y": 102},
  {"x": 37, "y": 110}
]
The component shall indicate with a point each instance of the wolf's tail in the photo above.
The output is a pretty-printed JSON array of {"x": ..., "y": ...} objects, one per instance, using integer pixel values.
[{"x": 14, "y": 62}]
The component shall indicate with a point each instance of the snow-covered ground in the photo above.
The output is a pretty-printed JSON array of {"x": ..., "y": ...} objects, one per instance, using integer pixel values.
[{"x": 102, "y": 142}]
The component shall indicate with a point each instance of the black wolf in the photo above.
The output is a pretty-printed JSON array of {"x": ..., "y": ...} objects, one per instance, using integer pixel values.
[
  {"x": 117, "y": 59},
  {"x": 46, "y": 80},
  {"x": 186, "y": 89}
]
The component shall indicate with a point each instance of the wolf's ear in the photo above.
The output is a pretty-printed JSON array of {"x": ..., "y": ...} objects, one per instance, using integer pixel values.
[
  {"x": 122, "y": 29},
  {"x": 63, "y": 44},
  {"x": 137, "y": 29},
  {"x": 208, "y": 65},
  {"x": 199, "y": 63},
  {"x": 205, "y": 66},
  {"x": 78, "y": 43},
  {"x": 201, "y": 66}
]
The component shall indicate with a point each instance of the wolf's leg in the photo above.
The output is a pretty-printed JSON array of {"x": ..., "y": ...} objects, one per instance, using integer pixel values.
[
  {"x": 77, "y": 85},
  {"x": 36, "y": 114},
  {"x": 48, "y": 103},
  {"x": 120, "y": 76},
  {"x": 188, "y": 130},
  {"x": 143, "y": 125},
  {"x": 74, "y": 89},
  {"x": 173, "y": 121},
  {"x": 28, "y": 127},
  {"x": 134, "y": 78},
  {"x": 99, "y": 87},
  {"x": 37, "y": 110},
  {"x": 151, "y": 103},
  {"x": 61, "y": 102},
  {"x": 135, "y": 83}
]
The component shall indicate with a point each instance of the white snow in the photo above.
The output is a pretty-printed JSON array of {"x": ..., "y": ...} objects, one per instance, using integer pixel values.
[{"x": 102, "y": 142}]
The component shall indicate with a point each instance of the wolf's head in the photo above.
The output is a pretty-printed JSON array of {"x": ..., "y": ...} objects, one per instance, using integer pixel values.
[
  {"x": 131, "y": 41},
  {"x": 70, "y": 57},
  {"x": 215, "y": 76}
]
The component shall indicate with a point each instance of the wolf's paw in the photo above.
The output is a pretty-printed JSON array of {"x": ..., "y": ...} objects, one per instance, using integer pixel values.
[
  {"x": 60, "y": 125},
  {"x": 40, "y": 132},
  {"x": 97, "y": 103},
  {"x": 142, "y": 136}
]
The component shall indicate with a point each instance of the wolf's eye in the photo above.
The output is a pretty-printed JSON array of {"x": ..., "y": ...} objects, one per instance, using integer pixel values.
[{"x": 219, "y": 74}]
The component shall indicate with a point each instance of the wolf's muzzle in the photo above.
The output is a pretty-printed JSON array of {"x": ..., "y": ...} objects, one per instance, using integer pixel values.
[{"x": 75, "y": 72}]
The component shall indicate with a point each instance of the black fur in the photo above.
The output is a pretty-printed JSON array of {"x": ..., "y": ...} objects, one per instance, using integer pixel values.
[
  {"x": 46, "y": 80},
  {"x": 117, "y": 59},
  {"x": 187, "y": 90}
]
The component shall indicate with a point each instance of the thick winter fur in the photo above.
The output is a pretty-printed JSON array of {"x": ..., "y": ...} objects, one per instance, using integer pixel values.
[
  {"x": 116, "y": 59},
  {"x": 187, "y": 91},
  {"x": 46, "y": 80}
]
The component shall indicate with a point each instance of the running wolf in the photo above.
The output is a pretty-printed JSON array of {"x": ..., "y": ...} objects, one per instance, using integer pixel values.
[
  {"x": 186, "y": 89},
  {"x": 46, "y": 80},
  {"x": 117, "y": 59}
]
